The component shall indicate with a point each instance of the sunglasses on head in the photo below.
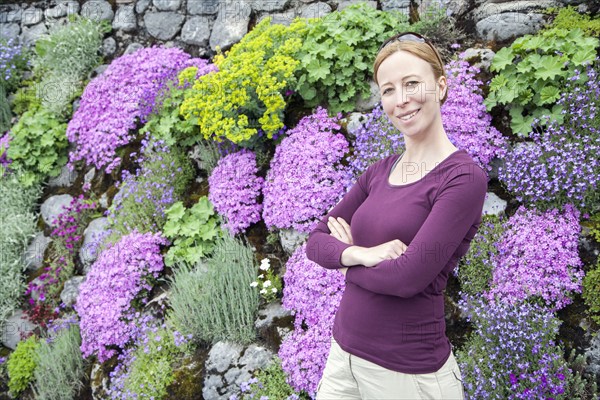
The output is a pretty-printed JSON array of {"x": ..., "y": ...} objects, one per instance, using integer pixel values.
[{"x": 410, "y": 37}]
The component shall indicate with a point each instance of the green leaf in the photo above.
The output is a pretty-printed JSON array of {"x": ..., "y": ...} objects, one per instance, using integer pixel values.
[
  {"x": 318, "y": 69},
  {"x": 552, "y": 67},
  {"x": 171, "y": 228},
  {"x": 583, "y": 56},
  {"x": 175, "y": 212},
  {"x": 549, "y": 94},
  {"x": 502, "y": 59}
]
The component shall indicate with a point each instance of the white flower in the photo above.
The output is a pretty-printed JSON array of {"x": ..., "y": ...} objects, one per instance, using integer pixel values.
[
  {"x": 267, "y": 284},
  {"x": 264, "y": 264},
  {"x": 261, "y": 276},
  {"x": 263, "y": 291},
  {"x": 274, "y": 290},
  {"x": 254, "y": 284}
]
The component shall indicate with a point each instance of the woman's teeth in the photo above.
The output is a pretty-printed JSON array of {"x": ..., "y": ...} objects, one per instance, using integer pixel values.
[{"x": 409, "y": 116}]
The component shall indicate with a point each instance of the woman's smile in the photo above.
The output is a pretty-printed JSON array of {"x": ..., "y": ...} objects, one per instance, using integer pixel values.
[{"x": 405, "y": 117}]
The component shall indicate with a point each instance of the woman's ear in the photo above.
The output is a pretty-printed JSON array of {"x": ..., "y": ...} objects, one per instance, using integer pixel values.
[{"x": 443, "y": 86}]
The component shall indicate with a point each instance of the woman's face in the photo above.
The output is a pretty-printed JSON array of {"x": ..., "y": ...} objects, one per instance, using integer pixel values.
[{"x": 410, "y": 94}]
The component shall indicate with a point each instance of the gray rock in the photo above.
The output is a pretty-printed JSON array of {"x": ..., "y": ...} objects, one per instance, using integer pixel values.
[
  {"x": 125, "y": 18},
  {"x": 33, "y": 258},
  {"x": 33, "y": 33},
  {"x": 10, "y": 31},
  {"x": 345, "y": 3},
  {"x": 13, "y": 14},
  {"x": 482, "y": 57},
  {"x": 163, "y": 25},
  {"x": 141, "y": 6},
  {"x": 99, "y": 382},
  {"x": 89, "y": 176},
  {"x": 458, "y": 8},
  {"x": 495, "y": 163},
  {"x": 256, "y": 357},
  {"x": 99, "y": 70},
  {"x": 400, "y": 5},
  {"x": 103, "y": 201},
  {"x": 231, "y": 24},
  {"x": 14, "y": 326},
  {"x": 231, "y": 375},
  {"x": 211, "y": 385},
  {"x": 290, "y": 239},
  {"x": 71, "y": 290},
  {"x": 109, "y": 46},
  {"x": 592, "y": 354},
  {"x": 55, "y": 205},
  {"x": 282, "y": 18},
  {"x": 354, "y": 122},
  {"x": 133, "y": 47},
  {"x": 271, "y": 312},
  {"x": 32, "y": 16},
  {"x": 268, "y": 5},
  {"x": 493, "y": 204},
  {"x": 97, "y": 10},
  {"x": 368, "y": 104},
  {"x": 196, "y": 31},
  {"x": 88, "y": 252},
  {"x": 64, "y": 179},
  {"x": 508, "y": 25},
  {"x": 62, "y": 9},
  {"x": 197, "y": 7},
  {"x": 494, "y": 8},
  {"x": 315, "y": 10},
  {"x": 222, "y": 355},
  {"x": 167, "y": 5}
]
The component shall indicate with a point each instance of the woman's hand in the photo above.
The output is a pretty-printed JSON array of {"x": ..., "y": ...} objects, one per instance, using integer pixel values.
[
  {"x": 340, "y": 229},
  {"x": 371, "y": 256}
]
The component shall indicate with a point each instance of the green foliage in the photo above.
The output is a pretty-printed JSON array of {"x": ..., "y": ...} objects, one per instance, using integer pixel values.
[
  {"x": 60, "y": 367},
  {"x": 26, "y": 98},
  {"x": 593, "y": 224},
  {"x": 578, "y": 386},
  {"x": 338, "y": 52},
  {"x": 569, "y": 18},
  {"x": 475, "y": 268},
  {"x": 591, "y": 292},
  {"x": 194, "y": 231},
  {"x": 21, "y": 365},
  {"x": 249, "y": 90},
  {"x": 63, "y": 59},
  {"x": 167, "y": 124},
  {"x": 209, "y": 155},
  {"x": 532, "y": 71},
  {"x": 39, "y": 146},
  {"x": 214, "y": 301},
  {"x": 151, "y": 371},
  {"x": 17, "y": 65},
  {"x": 272, "y": 383},
  {"x": 18, "y": 227},
  {"x": 5, "y": 114}
]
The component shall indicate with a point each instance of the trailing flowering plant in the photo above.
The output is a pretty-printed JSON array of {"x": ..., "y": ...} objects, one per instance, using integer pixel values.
[
  {"x": 306, "y": 177},
  {"x": 512, "y": 353},
  {"x": 13, "y": 61},
  {"x": 234, "y": 189},
  {"x": 465, "y": 117},
  {"x": 537, "y": 258},
  {"x": 120, "y": 277},
  {"x": 268, "y": 282},
  {"x": 250, "y": 90},
  {"x": 112, "y": 103},
  {"x": 66, "y": 238},
  {"x": 561, "y": 165}
]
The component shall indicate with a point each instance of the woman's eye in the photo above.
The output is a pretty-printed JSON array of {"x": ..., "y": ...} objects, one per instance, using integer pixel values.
[
  {"x": 412, "y": 83},
  {"x": 386, "y": 91}
]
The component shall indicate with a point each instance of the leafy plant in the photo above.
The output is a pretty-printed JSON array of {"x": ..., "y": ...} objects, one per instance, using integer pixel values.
[
  {"x": 38, "y": 147},
  {"x": 214, "y": 301},
  {"x": 338, "y": 52},
  {"x": 22, "y": 364},
  {"x": 5, "y": 113},
  {"x": 591, "y": 292},
  {"x": 193, "y": 231},
  {"x": 476, "y": 267},
  {"x": 569, "y": 18},
  {"x": 248, "y": 93},
  {"x": 270, "y": 383},
  {"x": 19, "y": 224},
  {"x": 60, "y": 367},
  {"x": 533, "y": 70}
]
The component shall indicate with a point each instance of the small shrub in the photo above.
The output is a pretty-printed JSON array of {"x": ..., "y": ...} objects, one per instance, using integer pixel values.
[
  {"x": 306, "y": 177},
  {"x": 120, "y": 277},
  {"x": 476, "y": 267},
  {"x": 38, "y": 146},
  {"x": 215, "y": 302},
  {"x": 234, "y": 189},
  {"x": 538, "y": 258},
  {"x": 193, "y": 231},
  {"x": 569, "y": 18},
  {"x": 338, "y": 52},
  {"x": 22, "y": 364},
  {"x": 19, "y": 224},
  {"x": 270, "y": 383},
  {"x": 591, "y": 292},
  {"x": 248, "y": 93},
  {"x": 532, "y": 72},
  {"x": 60, "y": 369}
]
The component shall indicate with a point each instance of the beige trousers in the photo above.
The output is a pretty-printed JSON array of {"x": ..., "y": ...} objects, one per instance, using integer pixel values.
[{"x": 348, "y": 377}]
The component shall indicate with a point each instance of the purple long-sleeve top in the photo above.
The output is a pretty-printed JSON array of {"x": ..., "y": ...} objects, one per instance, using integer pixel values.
[{"x": 392, "y": 314}]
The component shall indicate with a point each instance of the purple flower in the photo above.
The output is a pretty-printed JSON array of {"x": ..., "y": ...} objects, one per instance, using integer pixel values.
[
  {"x": 306, "y": 177},
  {"x": 234, "y": 189}
]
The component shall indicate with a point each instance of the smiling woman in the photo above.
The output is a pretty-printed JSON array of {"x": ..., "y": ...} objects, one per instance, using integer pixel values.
[{"x": 396, "y": 236}]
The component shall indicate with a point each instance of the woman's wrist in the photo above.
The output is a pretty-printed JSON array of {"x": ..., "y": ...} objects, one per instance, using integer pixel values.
[{"x": 351, "y": 256}]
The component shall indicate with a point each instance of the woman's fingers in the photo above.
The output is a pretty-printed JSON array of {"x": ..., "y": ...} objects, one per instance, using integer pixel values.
[{"x": 338, "y": 230}]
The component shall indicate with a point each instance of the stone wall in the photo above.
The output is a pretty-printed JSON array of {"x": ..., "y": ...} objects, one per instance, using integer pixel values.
[{"x": 199, "y": 26}]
